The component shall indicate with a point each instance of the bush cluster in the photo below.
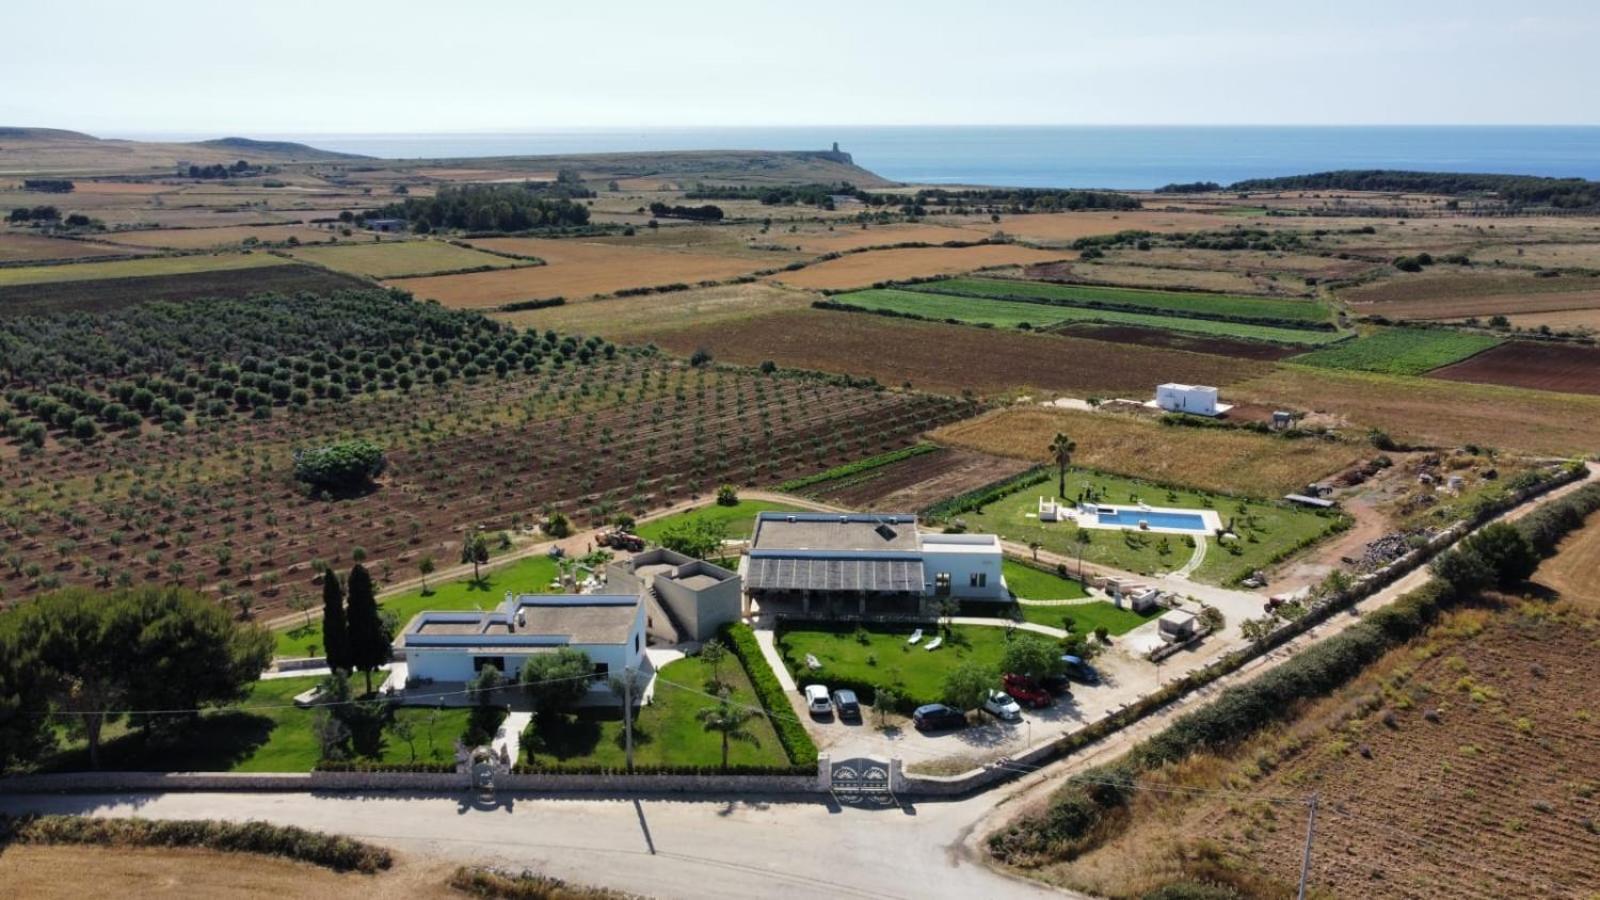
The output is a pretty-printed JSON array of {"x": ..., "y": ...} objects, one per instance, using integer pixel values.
[
  {"x": 328, "y": 850},
  {"x": 480, "y": 881}
]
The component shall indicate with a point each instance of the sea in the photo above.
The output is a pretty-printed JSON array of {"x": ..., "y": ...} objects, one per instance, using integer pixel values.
[{"x": 1068, "y": 156}]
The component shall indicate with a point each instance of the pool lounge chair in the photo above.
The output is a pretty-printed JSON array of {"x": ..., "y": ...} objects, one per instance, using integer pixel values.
[
  {"x": 812, "y": 662},
  {"x": 935, "y": 644},
  {"x": 916, "y": 637}
]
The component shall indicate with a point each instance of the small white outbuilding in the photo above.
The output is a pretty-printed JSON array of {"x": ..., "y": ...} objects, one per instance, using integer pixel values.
[{"x": 1195, "y": 399}]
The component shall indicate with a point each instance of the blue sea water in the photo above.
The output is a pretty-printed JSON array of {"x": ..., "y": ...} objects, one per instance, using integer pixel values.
[{"x": 1058, "y": 156}]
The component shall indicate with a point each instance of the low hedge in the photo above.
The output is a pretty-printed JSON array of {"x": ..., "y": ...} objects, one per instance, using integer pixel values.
[
  {"x": 855, "y": 468},
  {"x": 983, "y": 496},
  {"x": 525, "y": 769},
  {"x": 329, "y": 850},
  {"x": 481, "y": 881},
  {"x": 791, "y": 733},
  {"x": 357, "y": 765}
]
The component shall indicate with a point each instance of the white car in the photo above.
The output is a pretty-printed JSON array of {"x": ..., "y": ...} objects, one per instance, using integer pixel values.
[
  {"x": 817, "y": 700},
  {"x": 1001, "y": 706}
]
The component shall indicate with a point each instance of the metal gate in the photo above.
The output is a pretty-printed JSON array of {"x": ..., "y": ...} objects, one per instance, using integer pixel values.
[{"x": 864, "y": 782}]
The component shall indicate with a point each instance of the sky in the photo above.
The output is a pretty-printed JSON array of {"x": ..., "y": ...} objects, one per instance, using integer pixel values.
[{"x": 353, "y": 66}]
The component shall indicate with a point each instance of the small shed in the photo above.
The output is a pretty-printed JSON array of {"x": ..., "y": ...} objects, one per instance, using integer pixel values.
[
  {"x": 1177, "y": 626},
  {"x": 1195, "y": 399},
  {"x": 1143, "y": 599}
]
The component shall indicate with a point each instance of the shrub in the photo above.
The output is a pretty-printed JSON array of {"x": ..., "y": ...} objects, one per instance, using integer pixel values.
[
  {"x": 791, "y": 734},
  {"x": 331, "y": 851},
  {"x": 479, "y": 881},
  {"x": 343, "y": 466},
  {"x": 727, "y": 495}
]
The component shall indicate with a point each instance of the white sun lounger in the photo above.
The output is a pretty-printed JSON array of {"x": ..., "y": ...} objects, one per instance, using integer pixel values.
[
  {"x": 935, "y": 644},
  {"x": 916, "y": 637},
  {"x": 812, "y": 662}
]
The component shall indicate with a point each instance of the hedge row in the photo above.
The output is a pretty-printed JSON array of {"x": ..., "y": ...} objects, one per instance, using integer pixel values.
[
  {"x": 1071, "y": 819},
  {"x": 357, "y": 765},
  {"x": 855, "y": 468},
  {"x": 329, "y": 850},
  {"x": 481, "y": 881},
  {"x": 523, "y": 769},
  {"x": 987, "y": 494},
  {"x": 791, "y": 733},
  {"x": 544, "y": 303}
]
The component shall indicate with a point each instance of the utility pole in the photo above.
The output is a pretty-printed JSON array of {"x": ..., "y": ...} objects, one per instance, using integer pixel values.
[
  {"x": 627, "y": 720},
  {"x": 1305, "y": 862}
]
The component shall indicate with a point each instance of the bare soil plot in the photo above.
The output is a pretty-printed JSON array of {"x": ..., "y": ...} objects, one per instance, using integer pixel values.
[
  {"x": 851, "y": 237},
  {"x": 228, "y": 236},
  {"x": 1575, "y": 320},
  {"x": 1529, "y": 364},
  {"x": 393, "y": 259},
  {"x": 1555, "y": 255},
  {"x": 1570, "y": 573},
  {"x": 74, "y": 872},
  {"x": 1457, "y": 295},
  {"x": 1209, "y": 459},
  {"x": 862, "y": 269},
  {"x": 951, "y": 358},
  {"x": 121, "y": 188},
  {"x": 22, "y": 247},
  {"x": 99, "y": 295},
  {"x": 574, "y": 269},
  {"x": 1068, "y": 227},
  {"x": 918, "y": 482},
  {"x": 1172, "y": 340},
  {"x": 1432, "y": 412},
  {"x": 641, "y": 318}
]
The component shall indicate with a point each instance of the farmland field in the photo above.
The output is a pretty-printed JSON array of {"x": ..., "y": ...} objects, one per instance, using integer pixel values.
[
  {"x": 1401, "y": 351},
  {"x": 641, "y": 318},
  {"x": 228, "y": 236},
  {"x": 862, "y": 269},
  {"x": 1434, "y": 412},
  {"x": 392, "y": 259},
  {"x": 1195, "y": 303},
  {"x": 105, "y": 294},
  {"x": 1011, "y": 313},
  {"x": 1459, "y": 295},
  {"x": 616, "y": 430},
  {"x": 23, "y": 247},
  {"x": 135, "y": 268},
  {"x": 916, "y": 482},
  {"x": 951, "y": 358},
  {"x": 1209, "y": 459},
  {"x": 575, "y": 269},
  {"x": 1546, "y": 367},
  {"x": 1155, "y": 337},
  {"x": 1461, "y": 764}
]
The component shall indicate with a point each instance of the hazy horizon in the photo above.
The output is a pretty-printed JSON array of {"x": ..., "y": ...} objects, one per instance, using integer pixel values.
[{"x": 497, "y": 66}]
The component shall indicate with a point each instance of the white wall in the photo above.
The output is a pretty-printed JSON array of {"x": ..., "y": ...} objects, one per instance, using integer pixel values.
[
  {"x": 961, "y": 565},
  {"x": 455, "y": 663},
  {"x": 1187, "y": 398}
]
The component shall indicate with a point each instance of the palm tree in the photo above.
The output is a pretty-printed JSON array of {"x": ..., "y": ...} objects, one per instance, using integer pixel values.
[
  {"x": 729, "y": 720},
  {"x": 1061, "y": 450}
]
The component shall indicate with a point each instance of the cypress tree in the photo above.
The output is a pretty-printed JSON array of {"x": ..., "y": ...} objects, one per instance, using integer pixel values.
[
  {"x": 335, "y": 631},
  {"x": 369, "y": 634}
]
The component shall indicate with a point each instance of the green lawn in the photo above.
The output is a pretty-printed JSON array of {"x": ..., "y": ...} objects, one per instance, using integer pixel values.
[
  {"x": 667, "y": 732},
  {"x": 740, "y": 519},
  {"x": 268, "y": 734},
  {"x": 887, "y": 660},
  {"x": 1011, "y": 313},
  {"x": 1268, "y": 528},
  {"x": 1029, "y": 583},
  {"x": 1197, "y": 302},
  {"x": 1401, "y": 351},
  {"x": 1086, "y": 617},
  {"x": 532, "y": 574}
]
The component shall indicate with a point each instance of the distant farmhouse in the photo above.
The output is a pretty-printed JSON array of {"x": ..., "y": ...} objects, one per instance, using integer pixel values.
[
  {"x": 387, "y": 226},
  {"x": 1194, "y": 399},
  {"x": 865, "y": 563}
]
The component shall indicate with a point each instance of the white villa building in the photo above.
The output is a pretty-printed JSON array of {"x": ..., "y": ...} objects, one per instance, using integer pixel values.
[
  {"x": 861, "y": 563},
  {"x": 1194, "y": 399},
  {"x": 453, "y": 646}
]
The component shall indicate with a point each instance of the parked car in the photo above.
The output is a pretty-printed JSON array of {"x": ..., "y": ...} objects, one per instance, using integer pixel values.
[
  {"x": 1078, "y": 670},
  {"x": 817, "y": 700},
  {"x": 937, "y": 716},
  {"x": 1026, "y": 691},
  {"x": 846, "y": 704},
  {"x": 1059, "y": 685},
  {"x": 1000, "y": 705}
]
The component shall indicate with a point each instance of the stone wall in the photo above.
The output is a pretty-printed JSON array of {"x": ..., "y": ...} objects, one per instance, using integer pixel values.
[{"x": 81, "y": 782}]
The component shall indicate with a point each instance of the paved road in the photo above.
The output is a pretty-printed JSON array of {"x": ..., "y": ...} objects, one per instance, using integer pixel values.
[{"x": 739, "y": 848}]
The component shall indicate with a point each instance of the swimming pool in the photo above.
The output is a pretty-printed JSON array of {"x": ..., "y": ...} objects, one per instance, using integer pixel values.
[{"x": 1155, "y": 518}]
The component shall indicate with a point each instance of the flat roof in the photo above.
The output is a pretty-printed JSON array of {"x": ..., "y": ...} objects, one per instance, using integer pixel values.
[
  {"x": 835, "y": 531},
  {"x": 699, "y": 582},
  {"x": 767, "y": 573},
  {"x": 582, "y": 623},
  {"x": 473, "y": 627},
  {"x": 578, "y": 618}
]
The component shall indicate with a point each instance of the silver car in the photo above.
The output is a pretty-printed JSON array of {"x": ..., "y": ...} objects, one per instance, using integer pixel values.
[
  {"x": 1003, "y": 707},
  {"x": 817, "y": 700}
]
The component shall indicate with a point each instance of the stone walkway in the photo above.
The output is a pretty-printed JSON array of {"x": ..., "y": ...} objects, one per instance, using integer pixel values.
[{"x": 509, "y": 738}]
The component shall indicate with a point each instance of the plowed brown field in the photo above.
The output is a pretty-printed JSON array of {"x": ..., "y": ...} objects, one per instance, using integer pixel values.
[
  {"x": 861, "y": 269},
  {"x": 1546, "y": 367},
  {"x": 916, "y": 483}
]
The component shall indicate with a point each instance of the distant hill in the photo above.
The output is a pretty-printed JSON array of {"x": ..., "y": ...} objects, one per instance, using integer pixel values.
[
  {"x": 1512, "y": 190},
  {"x": 56, "y": 151}
]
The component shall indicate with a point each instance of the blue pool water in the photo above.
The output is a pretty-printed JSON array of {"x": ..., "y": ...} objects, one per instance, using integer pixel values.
[{"x": 1130, "y": 518}]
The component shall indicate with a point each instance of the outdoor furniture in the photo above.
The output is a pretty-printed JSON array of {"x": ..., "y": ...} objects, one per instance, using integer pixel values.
[
  {"x": 916, "y": 637},
  {"x": 935, "y": 644}
]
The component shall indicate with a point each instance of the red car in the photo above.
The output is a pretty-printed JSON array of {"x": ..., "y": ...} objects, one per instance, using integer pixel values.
[{"x": 1023, "y": 690}]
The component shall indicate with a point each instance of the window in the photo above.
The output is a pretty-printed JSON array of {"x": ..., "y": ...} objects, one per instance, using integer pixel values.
[
  {"x": 978, "y": 579},
  {"x": 601, "y": 671},
  {"x": 479, "y": 662},
  {"x": 636, "y": 643},
  {"x": 941, "y": 584}
]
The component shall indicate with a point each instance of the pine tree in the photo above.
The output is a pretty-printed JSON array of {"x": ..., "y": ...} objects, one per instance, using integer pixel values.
[
  {"x": 335, "y": 631},
  {"x": 369, "y": 634}
]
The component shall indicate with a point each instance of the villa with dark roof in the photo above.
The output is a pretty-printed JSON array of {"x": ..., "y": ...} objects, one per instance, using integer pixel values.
[{"x": 867, "y": 563}]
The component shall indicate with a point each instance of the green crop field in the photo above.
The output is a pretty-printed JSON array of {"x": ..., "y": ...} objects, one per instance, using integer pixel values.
[
  {"x": 1267, "y": 309},
  {"x": 1401, "y": 351},
  {"x": 135, "y": 268},
  {"x": 1011, "y": 313},
  {"x": 393, "y": 259}
]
